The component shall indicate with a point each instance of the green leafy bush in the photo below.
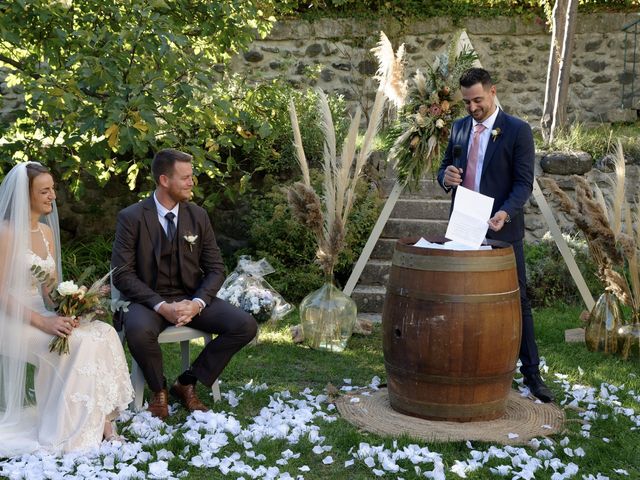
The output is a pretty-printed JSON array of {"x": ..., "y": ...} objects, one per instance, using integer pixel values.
[
  {"x": 254, "y": 138},
  {"x": 411, "y": 9},
  {"x": 290, "y": 247},
  {"x": 548, "y": 279},
  {"x": 107, "y": 83},
  {"x": 77, "y": 256}
]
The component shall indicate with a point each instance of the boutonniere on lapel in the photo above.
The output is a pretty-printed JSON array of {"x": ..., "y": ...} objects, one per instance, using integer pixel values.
[
  {"x": 191, "y": 240},
  {"x": 495, "y": 133}
]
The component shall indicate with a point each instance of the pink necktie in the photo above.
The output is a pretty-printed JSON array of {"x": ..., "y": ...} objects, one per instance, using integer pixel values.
[{"x": 472, "y": 160}]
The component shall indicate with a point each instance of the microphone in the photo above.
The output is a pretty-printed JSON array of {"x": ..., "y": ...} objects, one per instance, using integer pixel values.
[{"x": 457, "y": 151}]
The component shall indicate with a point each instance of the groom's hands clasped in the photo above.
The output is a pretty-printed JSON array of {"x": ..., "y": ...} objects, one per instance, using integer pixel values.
[
  {"x": 179, "y": 313},
  {"x": 186, "y": 310}
]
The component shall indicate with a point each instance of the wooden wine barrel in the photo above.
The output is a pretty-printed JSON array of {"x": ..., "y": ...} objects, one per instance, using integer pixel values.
[{"x": 451, "y": 331}]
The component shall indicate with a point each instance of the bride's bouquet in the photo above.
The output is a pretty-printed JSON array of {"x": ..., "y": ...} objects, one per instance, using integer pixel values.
[
  {"x": 245, "y": 288},
  {"x": 70, "y": 300}
]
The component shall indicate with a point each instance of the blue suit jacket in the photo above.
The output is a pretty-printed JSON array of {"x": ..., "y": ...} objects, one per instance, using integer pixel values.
[{"x": 507, "y": 171}]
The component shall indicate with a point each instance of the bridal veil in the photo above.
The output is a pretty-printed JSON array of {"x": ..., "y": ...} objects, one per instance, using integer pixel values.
[{"x": 17, "y": 403}]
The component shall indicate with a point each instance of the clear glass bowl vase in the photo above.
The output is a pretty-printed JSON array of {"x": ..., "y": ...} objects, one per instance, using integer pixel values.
[
  {"x": 601, "y": 332},
  {"x": 328, "y": 317}
]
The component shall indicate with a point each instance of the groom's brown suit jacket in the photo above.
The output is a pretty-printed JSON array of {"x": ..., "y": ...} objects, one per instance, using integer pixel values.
[{"x": 136, "y": 253}]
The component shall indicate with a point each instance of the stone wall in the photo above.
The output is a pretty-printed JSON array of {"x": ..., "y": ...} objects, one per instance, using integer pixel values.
[
  {"x": 561, "y": 168},
  {"x": 515, "y": 49}
]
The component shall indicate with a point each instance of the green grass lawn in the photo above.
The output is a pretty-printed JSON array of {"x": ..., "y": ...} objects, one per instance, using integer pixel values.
[{"x": 611, "y": 445}]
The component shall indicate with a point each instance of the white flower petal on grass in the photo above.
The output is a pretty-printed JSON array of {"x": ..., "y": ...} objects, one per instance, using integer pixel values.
[
  {"x": 159, "y": 470},
  {"x": 164, "y": 454},
  {"x": 304, "y": 468},
  {"x": 348, "y": 463},
  {"x": 621, "y": 471},
  {"x": 369, "y": 462},
  {"x": 513, "y": 435},
  {"x": 328, "y": 460},
  {"x": 502, "y": 470},
  {"x": 317, "y": 449}
]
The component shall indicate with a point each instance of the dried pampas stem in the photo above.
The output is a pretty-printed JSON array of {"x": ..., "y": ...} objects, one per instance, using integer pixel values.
[{"x": 328, "y": 221}]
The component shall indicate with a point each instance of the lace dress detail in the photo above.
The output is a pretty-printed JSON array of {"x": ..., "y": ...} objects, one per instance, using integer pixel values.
[{"x": 75, "y": 393}]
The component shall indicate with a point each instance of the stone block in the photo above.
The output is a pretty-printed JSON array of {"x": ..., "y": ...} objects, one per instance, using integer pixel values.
[
  {"x": 332, "y": 28},
  {"x": 313, "y": 50},
  {"x": 376, "y": 273},
  {"x": 384, "y": 249},
  {"x": 622, "y": 115},
  {"x": 253, "y": 56},
  {"x": 566, "y": 163},
  {"x": 290, "y": 30},
  {"x": 595, "y": 66},
  {"x": 495, "y": 25},
  {"x": 369, "y": 299}
]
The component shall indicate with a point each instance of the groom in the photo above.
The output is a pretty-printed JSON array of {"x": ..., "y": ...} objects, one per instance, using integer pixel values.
[
  {"x": 493, "y": 153},
  {"x": 168, "y": 265}
]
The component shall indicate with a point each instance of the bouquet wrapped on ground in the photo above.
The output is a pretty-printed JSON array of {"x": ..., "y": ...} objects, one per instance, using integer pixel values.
[
  {"x": 83, "y": 303},
  {"x": 246, "y": 288}
]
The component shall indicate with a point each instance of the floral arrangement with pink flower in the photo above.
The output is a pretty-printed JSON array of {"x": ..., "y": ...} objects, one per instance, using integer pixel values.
[{"x": 433, "y": 102}]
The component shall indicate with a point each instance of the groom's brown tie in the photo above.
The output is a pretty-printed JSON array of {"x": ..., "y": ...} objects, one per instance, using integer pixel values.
[
  {"x": 472, "y": 160},
  {"x": 171, "y": 226}
]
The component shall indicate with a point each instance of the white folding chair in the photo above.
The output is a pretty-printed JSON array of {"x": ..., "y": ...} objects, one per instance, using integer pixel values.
[{"x": 169, "y": 335}]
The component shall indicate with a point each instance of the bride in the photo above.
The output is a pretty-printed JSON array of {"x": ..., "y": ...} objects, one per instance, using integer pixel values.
[{"x": 51, "y": 402}]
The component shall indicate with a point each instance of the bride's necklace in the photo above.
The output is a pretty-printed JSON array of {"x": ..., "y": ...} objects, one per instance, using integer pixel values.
[{"x": 35, "y": 230}]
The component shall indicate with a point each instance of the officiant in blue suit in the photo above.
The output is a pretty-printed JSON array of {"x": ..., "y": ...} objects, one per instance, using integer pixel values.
[{"x": 493, "y": 153}]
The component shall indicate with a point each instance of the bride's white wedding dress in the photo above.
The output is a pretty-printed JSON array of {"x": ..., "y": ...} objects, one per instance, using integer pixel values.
[{"x": 75, "y": 393}]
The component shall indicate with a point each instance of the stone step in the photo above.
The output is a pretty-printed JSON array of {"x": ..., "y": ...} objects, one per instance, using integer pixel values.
[
  {"x": 369, "y": 299},
  {"x": 375, "y": 273},
  {"x": 426, "y": 188},
  {"x": 400, "y": 227},
  {"x": 384, "y": 249},
  {"x": 419, "y": 208}
]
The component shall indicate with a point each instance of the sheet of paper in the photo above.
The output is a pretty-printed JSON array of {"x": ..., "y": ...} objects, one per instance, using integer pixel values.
[
  {"x": 423, "y": 243},
  {"x": 471, "y": 212},
  {"x": 450, "y": 245}
]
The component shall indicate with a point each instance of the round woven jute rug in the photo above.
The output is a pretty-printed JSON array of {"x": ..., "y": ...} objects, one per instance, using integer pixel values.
[{"x": 524, "y": 419}]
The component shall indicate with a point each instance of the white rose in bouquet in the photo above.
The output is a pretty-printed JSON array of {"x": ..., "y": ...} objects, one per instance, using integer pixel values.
[{"x": 68, "y": 288}]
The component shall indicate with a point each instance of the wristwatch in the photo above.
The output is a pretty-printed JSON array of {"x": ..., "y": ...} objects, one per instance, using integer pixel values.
[{"x": 507, "y": 218}]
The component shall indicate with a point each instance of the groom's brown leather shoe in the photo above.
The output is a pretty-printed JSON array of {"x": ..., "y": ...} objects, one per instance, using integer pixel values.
[
  {"x": 187, "y": 396},
  {"x": 159, "y": 404}
]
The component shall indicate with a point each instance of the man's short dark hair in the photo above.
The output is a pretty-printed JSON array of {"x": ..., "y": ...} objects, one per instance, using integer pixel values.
[
  {"x": 164, "y": 161},
  {"x": 476, "y": 75}
]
